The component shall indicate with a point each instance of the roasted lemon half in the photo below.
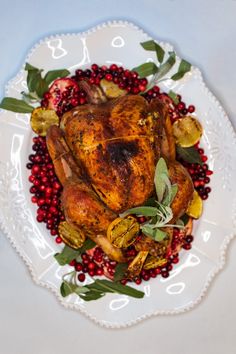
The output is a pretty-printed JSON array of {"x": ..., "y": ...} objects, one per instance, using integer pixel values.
[
  {"x": 187, "y": 131},
  {"x": 122, "y": 232},
  {"x": 71, "y": 237},
  {"x": 41, "y": 119},
  {"x": 195, "y": 206}
]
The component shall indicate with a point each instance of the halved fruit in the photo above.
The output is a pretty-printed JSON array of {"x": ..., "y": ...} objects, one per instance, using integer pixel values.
[
  {"x": 122, "y": 232},
  {"x": 154, "y": 262},
  {"x": 195, "y": 206},
  {"x": 41, "y": 119},
  {"x": 187, "y": 131},
  {"x": 62, "y": 95},
  {"x": 136, "y": 265},
  {"x": 111, "y": 90},
  {"x": 71, "y": 237}
]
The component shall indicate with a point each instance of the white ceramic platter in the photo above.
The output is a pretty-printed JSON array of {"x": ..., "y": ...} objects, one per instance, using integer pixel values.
[{"x": 119, "y": 42}]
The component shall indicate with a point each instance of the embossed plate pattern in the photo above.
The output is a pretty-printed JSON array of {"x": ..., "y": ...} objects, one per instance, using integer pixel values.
[{"x": 118, "y": 42}]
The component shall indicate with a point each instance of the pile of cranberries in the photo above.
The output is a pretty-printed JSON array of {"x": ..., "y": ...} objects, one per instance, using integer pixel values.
[{"x": 46, "y": 188}]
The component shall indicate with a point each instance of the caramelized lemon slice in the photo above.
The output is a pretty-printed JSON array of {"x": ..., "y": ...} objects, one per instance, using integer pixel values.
[
  {"x": 111, "y": 90},
  {"x": 195, "y": 206},
  {"x": 187, "y": 131},
  {"x": 41, "y": 119},
  {"x": 70, "y": 236},
  {"x": 153, "y": 262},
  {"x": 122, "y": 232},
  {"x": 136, "y": 265}
]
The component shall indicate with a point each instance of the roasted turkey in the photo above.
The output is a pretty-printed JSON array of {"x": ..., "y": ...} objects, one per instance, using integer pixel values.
[{"x": 105, "y": 154}]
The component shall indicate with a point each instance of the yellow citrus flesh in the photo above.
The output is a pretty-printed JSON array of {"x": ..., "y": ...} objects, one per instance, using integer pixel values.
[
  {"x": 71, "y": 237},
  {"x": 111, "y": 90},
  {"x": 122, "y": 232},
  {"x": 41, "y": 119},
  {"x": 195, "y": 206},
  {"x": 153, "y": 262},
  {"x": 187, "y": 131},
  {"x": 136, "y": 265}
]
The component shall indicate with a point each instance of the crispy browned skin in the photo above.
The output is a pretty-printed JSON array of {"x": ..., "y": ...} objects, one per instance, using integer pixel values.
[
  {"x": 106, "y": 159},
  {"x": 168, "y": 150},
  {"x": 82, "y": 207},
  {"x": 118, "y": 144},
  {"x": 180, "y": 176}
]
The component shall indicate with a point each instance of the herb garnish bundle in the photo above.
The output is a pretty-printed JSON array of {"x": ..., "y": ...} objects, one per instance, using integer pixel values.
[
  {"x": 160, "y": 71},
  {"x": 160, "y": 212}
]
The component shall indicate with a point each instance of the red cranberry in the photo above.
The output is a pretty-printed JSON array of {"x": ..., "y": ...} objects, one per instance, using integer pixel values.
[
  {"x": 191, "y": 109},
  {"x": 138, "y": 280},
  {"x": 164, "y": 273},
  {"x": 78, "y": 267},
  {"x": 81, "y": 277},
  {"x": 72, "y": 263},
  {"x": 58, "y": 239},
  {"x": 187, "y": 246},
  {"x": 91, "y": 265},
  {"x": 99, "y": 271},
  {"x": 189, "y": 239}
]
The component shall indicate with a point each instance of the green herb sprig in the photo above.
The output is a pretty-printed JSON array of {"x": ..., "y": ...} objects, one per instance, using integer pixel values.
[
  {"x": 98, "y": 288},
  {"x": 68, "y": 253},
  {"x": 37, "y": 86},
  {"x": 159, "y": 212},
  {"x": 160, "y": 69}
]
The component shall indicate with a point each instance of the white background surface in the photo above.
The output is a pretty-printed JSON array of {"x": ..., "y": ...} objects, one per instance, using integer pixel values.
[{"x": 31, "y": 319}]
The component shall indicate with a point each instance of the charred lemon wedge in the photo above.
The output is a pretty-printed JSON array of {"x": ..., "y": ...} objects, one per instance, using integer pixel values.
[
  {"x": 41, "y": 119},
  {"x": 111, "y": 90},
  {"x": 136, "y": 265},
  {"x": 153, "y": 262},
  {"x": 71, "y": 237},
  {"x": 195, "y": 206},
  {"x": 187, "y": 131},
  {"x": 122, "y": 232}
]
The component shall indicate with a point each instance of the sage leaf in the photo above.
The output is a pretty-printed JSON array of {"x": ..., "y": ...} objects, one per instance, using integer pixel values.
[
  {"x": 68, "y": 253},
  {"x": 148, "y": 230},
  {"x": 88, "y": 245},
  {"x": 154, "y": 47},
  {"x": 41, "y": 86},
  {"x": 29, "y": 67},
  {"x": 165, "y": 67},
  {"x": 66, "y": 256},
  {"x": 159, "y": 235},
  {"x": 156, "y": 234},
  {"x": 15, "y": 105},
  {"x": 119, "y": 288},
  {"x": 91, "y": 295},
  {"x": 146, "y": 69},
  {"x": 173, "y": 96},
  {"x": 54, "y": 74},
  {"x": 143, "y": 210},
  {"x": 185, "y": 219},
  {"x": 180, "y": 222},
  {"x": 184, "y": 67},
  {"x": 66, "y": 288},
  {"x": 160, "y": 183},
  {"x": 174, "y": 190},
  {"x": 189, "y": 154},
  {"x": 151, "y": 202},
  {"x": 170, "y": 195},
  {"x": 120, "y": 271}
]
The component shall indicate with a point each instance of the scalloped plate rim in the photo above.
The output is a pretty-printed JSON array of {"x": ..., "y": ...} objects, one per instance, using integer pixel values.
[{"x": 227, "y": 239}]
